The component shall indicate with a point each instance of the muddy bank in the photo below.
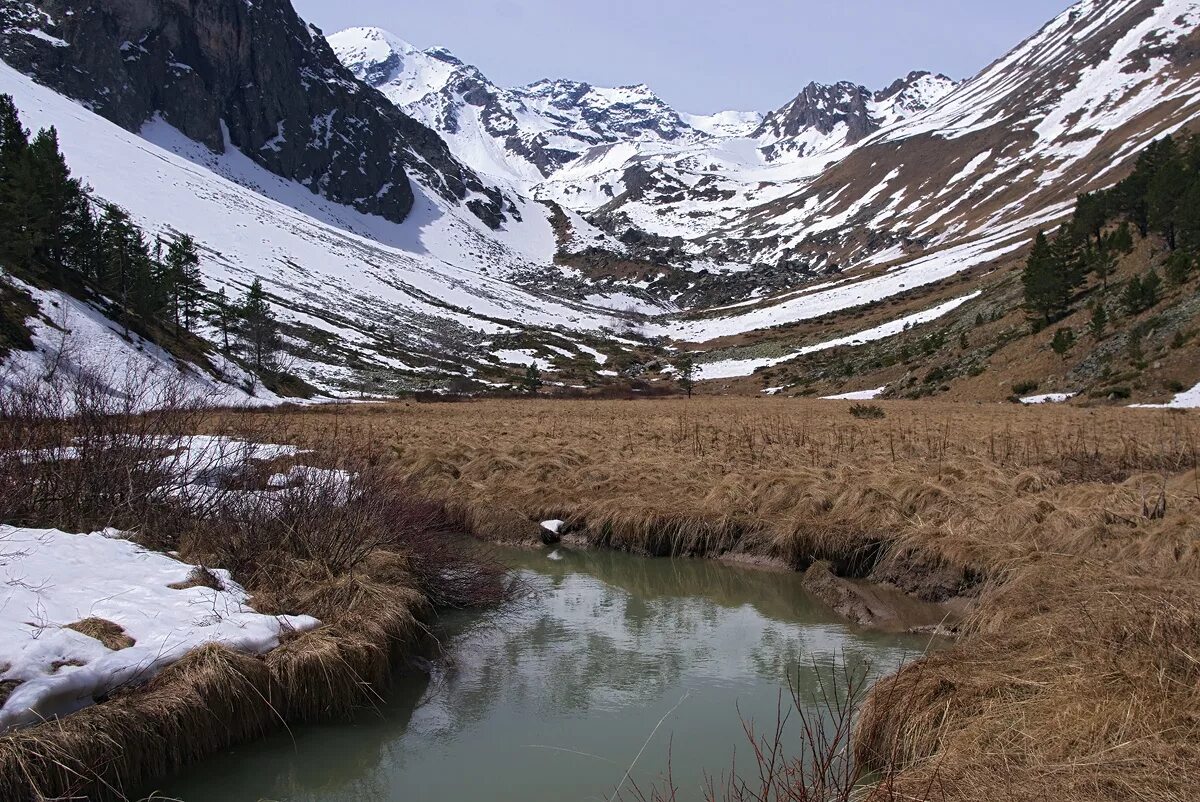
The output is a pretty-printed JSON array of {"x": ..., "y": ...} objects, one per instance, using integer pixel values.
[{"x": 890, "y": 590}]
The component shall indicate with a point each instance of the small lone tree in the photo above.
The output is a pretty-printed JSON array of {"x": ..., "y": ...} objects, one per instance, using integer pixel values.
[
  {"x": 686, "y": 368},
  {"x": 532, "y": 381},
  {"x": 1064, "y": 341}
]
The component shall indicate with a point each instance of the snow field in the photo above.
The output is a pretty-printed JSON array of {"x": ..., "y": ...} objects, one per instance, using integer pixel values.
[{"x": 53, "y": 578}]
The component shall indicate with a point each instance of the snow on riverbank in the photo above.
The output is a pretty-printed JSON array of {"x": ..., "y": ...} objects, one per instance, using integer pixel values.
[{"x": 52, "y": 579}]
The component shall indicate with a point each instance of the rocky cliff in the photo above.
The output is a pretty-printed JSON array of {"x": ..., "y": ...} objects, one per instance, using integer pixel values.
[{"x": 251, "y": 75}]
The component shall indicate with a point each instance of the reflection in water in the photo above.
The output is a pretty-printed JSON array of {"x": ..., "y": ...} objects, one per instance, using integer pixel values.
[{"x": 555, "y": 701}]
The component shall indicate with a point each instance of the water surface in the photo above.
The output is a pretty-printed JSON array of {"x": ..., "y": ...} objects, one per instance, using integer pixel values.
[{"x": 553, "y": 702}]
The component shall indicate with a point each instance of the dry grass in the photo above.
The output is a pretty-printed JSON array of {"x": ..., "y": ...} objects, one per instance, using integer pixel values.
[
  {"x": 112, "y": 635},
  {"x": 1077, "y": 675}
]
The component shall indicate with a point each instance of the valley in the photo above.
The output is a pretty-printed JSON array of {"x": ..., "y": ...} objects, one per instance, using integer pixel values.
[{"x": 370, "y": 429}]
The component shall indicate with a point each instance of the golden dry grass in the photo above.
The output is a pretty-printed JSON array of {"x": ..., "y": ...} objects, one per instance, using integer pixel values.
[
  {"x": 112, "y": 635},
  {"x": 1077, "y": 675}
]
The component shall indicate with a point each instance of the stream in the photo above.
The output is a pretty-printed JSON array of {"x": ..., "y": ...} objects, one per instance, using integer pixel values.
[{"x": 552, "y": 701}]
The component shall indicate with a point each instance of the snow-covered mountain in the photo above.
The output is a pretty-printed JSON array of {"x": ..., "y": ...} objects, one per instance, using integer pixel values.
[
  {"x": 532, "y": 132},
  {"x": 449, "y": 226},
  {"x": 527, "y": 132}
]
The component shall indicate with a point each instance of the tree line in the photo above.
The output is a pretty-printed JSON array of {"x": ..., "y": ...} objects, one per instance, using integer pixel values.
[
  {"x": 1161, "y": 196},
  {"x": 51, "y": 228}
]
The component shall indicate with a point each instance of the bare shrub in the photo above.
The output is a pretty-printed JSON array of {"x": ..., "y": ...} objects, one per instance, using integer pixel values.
[
  {"x": 78, "y": 453},
  {"x": 867, "y": 412},
  {"x": 820, "y": 765}
]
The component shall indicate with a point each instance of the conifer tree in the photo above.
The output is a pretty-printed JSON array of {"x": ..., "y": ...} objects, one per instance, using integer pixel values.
[
  {"x": 14, "y": 149},
  {"x": 1103, "y": 263},
  {"x": 532, "y": 381},
  {"x": 1179, "y": 266},
  {"x": 258, "y": 326},
  {"x": 1046, "y": 286},
  {"x": 1165, "y": 190},
  {"x": 1121, "y": 240},
  {"x": 1132, "y": 298},
  {"x": 125, "y": 263},
  {"x": 1099, "y": 321},
  {"x": 223, "y": 315},
  {"x": 1064, "y": 340},
  {"x": 183, "y": 265},
  {"x": 50, "y": 195},
  {"x": 686, "y": 367},
  {"x": 1091, "y": 213},
  {"x": 1151, "y": 284}
]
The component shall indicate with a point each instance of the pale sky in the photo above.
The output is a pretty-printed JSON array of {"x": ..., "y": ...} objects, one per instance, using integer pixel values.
[{"x": 703, "y": 56}]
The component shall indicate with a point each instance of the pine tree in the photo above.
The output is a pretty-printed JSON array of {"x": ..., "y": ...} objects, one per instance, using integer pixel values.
[
  {"x": 50, "y": 195},
  {"x": 14, "y": 163},
  {"x": 1047, "y": 289},
  {"x": 1091, "y": 213},
  {"x": 1103, "y": 263},
  {"x": 686, "y": 373},
  {"x": 1151, "y": 284},
  {"x": 1064, "y": 341},
  {"x": 1070, "y": 259},
  {"x": 1165, "y": 190},
  {"x": 1179, "y": 267},
  {"x": 14, "y": 139},
  {"x": 1099, "y": 321},
  {"x": 532, "y": 382},
  {"x": 1121, "y": 240},
  {"x": 124, "y": 263},
  {"x": 258, "y": 326},
  {"x": 223, "y": 316},
  {"x": 1187, "y": 216},
  {"x": 80, "y": 239},
  {"x": 183, "y": 263},
  {"x": 1132, "y": 298}
]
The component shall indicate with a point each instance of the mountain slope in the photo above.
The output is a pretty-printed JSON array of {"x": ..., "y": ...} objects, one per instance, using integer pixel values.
[
  {"x": 251, "y": 76},
  {"x": 841, "y": 218},
  {"x": 358, "y": 294},
  {"x": 1063, "y": 113}
]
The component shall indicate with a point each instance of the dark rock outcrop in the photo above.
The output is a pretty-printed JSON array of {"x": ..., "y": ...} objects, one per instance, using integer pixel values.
[
  {"x": 821, "y": 108},
  {"x": 250, "y": 75}
]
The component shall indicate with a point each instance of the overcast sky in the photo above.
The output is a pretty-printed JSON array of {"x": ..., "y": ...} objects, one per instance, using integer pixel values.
[{"x": 704, "y": 55}]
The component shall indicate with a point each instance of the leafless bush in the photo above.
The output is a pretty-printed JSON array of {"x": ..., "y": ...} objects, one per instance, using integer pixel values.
[
  {"x": 819, "y": 766},
  {"x": 77, "y": 452},
  {"x": 335, "y": 520}
]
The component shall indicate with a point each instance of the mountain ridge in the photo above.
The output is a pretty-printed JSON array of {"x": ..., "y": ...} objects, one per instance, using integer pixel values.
[{"x": 682, "y": 229}]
